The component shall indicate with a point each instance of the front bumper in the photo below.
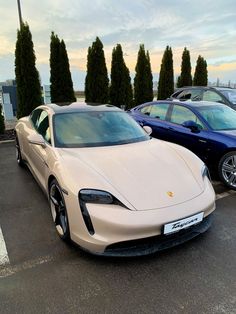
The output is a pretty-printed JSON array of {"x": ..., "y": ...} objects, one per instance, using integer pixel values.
[
  {"x": 118, "y": 231},
  {"x": 158, "y": 243}
]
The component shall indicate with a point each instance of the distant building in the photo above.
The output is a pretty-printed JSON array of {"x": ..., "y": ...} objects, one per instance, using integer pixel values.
[{"x": 8, "y": 99}]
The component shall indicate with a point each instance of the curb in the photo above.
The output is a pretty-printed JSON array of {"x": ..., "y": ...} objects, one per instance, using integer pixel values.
[{"x": 8, "y": 141}]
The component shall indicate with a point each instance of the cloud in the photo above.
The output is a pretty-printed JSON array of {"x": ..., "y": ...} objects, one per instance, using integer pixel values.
[
  {"x": 7, "y": 67},
  {"x": 222, "y": 61},
  {"x": 205, "y": 29}
]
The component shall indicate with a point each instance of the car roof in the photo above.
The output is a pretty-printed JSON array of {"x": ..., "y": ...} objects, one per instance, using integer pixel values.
[
  {"x": 193, "y": 104},
  {"x": 204, "y": 87},
  {"x": 80, "y": 106},
  {"x": 223, "y": 88},
  {"x": 196, "y": 104},
  {"x": 190, "y": 87}
]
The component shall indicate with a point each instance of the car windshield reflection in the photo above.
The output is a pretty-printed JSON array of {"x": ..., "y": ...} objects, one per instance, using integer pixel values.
[
  {"x": 219, "y": 117},
  {"x": 93, "y": 129}
]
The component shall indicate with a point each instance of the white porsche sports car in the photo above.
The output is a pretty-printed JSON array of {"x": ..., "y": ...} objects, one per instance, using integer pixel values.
[{"x": 112, "y": 188}]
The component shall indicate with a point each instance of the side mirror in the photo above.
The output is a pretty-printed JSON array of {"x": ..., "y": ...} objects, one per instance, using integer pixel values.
[
  {"x": 193, "y": 126},
  {"x": 147, "y": 129},
  {"x": 36, "y": 139}
]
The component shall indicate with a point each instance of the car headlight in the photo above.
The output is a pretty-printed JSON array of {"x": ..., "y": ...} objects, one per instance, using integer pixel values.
[
  {"x": 95, "y": 196},
  {"x": 205, "y": 172}
]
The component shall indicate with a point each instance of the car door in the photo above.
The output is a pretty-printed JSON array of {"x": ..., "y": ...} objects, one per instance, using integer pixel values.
[
  {"x": 39, "y": 154},
  {"x": 197, "y": 142},
  {"x": 155, "y": 116}
]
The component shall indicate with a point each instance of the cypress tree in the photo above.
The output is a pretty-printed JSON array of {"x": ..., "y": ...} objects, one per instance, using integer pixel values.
[
  {"x": 178, "y": 81},
  {"x": 166, "y": 77},
  {"x": 149, "y": 78},
  {"x": 201, "y": 73},
  {"x": 27, "y": 77},
  {"x": 143, "y": 85},
  {"x": 129, "y": 90},
  {"x": 2, "y": 124},
  {"x": 55, "y": 68},
  {"x": 120, "y": 89},
  {"x": 67, "y": 84},
  {"x": 61, "y": 81},
  {"x": 96, "y": 81},
  {"x": 88, "y": 78},
  {"x": 185, "y": 76}
]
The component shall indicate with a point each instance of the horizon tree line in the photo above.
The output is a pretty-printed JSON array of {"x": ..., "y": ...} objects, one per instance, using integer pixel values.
[{"x": 117, "y": 91}]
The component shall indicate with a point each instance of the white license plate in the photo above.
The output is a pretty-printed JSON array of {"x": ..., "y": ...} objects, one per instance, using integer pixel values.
[{"x": 183, "y": 223}]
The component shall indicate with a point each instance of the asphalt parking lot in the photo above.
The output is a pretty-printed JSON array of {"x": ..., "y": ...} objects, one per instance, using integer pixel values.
[{"x": 44, "y": 275}]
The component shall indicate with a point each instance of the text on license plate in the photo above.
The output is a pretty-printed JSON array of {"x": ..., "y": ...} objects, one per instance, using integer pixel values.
[{"x": 183, "y": 223}]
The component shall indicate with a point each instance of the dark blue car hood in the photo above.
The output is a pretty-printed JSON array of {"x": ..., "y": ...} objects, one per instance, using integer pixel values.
[{"x": 231, "y": 133}]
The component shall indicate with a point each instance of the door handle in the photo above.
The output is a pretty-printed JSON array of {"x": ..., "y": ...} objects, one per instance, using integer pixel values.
[{"x": 202, "y": 141}]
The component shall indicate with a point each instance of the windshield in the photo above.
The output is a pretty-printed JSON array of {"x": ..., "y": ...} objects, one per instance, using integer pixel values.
[
  {"x": 230, "y": 95},
  {"x": 219, "y": 117},
  {"x": 96, "y": 128}
]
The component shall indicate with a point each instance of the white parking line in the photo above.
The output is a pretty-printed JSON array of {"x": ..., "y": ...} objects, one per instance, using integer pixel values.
[
  {"x": 8, "y": 141},
  {"x": 4, "y": 259},
  {"x": 224, "y": 194},
  {"x": 12, "y": 270}
]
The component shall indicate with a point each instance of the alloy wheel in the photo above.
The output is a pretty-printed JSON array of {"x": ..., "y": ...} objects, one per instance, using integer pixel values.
[
  {"x": 229, "y": 170},
  {"x": 58, "y": 210}
]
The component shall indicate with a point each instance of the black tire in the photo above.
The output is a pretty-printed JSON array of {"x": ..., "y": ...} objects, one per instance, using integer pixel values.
[
  {"x": 227, "y": 170},
  {"x": 18, "y": 153},
  {"x": 58, "y": 210}
]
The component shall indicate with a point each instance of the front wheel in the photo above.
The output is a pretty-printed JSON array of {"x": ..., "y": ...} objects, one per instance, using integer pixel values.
[
  {"x": 58, "y": 210},
  {"x": 227, "y": 169}
]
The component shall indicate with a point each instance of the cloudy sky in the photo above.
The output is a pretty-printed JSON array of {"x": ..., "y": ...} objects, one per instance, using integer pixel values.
[{"x": 205, "y": 27}]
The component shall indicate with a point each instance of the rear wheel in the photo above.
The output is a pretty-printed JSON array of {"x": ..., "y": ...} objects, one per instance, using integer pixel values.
[
  {"x": 227, "y": 169},
  {"x": 58, "y": 210},
  {"x": 18, "y": 153}
]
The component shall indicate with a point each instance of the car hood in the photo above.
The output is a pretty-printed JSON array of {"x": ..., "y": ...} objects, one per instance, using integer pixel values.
[
  {"x": 231, "y": 133},
  {"x": 149, "y": 175}
]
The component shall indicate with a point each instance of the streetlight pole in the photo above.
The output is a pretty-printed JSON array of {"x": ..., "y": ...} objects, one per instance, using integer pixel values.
[{"x": 19, "y": 12}]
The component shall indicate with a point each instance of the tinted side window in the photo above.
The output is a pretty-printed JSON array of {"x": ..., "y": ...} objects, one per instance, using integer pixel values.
[
  {"x": 185, "y": 95},
  {"x": 181, "y": 114},
  {"x": 212, "y": 96},
  {"x": 196, "y": 94},
  {"x": 176, "y": 94},
  {"x": 146, "y": 110},
  {"x": 35, "y": 115},
  {"x": 159, "y": 111},
  {"x": 42, "y": 126},
  {"x": 193, "y": 94}
]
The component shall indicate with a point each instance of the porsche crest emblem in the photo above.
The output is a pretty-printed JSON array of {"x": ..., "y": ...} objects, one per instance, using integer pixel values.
[{"x": 170, "y": 194}]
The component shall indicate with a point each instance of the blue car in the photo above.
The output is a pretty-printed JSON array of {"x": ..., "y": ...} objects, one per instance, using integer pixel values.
[{"x": 208, "y": 129}]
